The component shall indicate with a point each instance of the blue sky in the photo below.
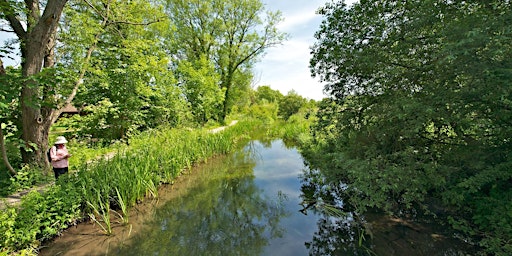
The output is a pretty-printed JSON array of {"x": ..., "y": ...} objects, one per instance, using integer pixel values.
[{"x": 285, "y": 67}]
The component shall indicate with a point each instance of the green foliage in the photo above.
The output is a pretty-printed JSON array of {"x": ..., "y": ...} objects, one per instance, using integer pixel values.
[
  {"x": 201, "y": 88},
  {"x": 421, "y": 108},
  {"x": 240, "y": 95},
  {"x": 11, "y": 85},
  {"x": 25, "y": 179},
  {"x": 39, "y": 217},
  {"x": 296, "y": 130},
  {"x": 265, "y": 93},
  {"x": 233, "y": 34},
  {"x": 290, "y": 104},
  {"x": 10, "y": 119},
  {"x": 266, "y": 112},
  {"x": 127, "y": 86}
]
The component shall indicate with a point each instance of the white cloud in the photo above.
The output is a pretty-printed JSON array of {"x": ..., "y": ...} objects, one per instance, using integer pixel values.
[
  {"x": 286, "y": 67},
  {"x": 297, "y": 19}
]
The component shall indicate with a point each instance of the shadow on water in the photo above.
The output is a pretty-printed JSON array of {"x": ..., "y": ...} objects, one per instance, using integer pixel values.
[
  {"x": 341, "y": 231},
  {"x": 252, "y": 202}
]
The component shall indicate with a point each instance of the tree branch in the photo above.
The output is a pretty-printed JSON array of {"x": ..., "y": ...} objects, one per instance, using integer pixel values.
[
  {"x": 34, "y": 11},
  {"x": 79, "y": 81},
  {"x": 136, "y": 23},
  {"x": 15, "y": 24}
]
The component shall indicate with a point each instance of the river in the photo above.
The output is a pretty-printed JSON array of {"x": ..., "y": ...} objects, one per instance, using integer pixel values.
[{"x": 249, "y": 203}]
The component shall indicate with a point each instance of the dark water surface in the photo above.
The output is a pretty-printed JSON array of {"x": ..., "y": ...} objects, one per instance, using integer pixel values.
[{"x": 247, "y": 203}]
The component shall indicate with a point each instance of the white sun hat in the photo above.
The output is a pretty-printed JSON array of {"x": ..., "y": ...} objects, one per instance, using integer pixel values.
[{"x": 61, "y": 140}]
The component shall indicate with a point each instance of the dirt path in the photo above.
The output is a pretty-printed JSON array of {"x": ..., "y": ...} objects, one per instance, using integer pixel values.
[
  {"x": 216, "y": 130},
  {"x": 16, "y": 197}
]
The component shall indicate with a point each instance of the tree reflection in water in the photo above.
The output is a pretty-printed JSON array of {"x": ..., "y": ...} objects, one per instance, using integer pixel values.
[
  {"x": 343, "y": 232},
  {"x": 224, "y": 213},
  {"x": 338, "y": 231}
]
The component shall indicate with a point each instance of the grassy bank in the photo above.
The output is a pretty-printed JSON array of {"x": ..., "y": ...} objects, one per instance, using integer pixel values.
[{"x": 100, "y": 188}]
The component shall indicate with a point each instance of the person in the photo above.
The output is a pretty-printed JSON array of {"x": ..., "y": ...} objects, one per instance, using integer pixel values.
[{"x": 59, "y": 155}]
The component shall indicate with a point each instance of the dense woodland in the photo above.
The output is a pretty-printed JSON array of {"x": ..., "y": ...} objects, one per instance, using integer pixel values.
[
  {"x": 420, "y": 117},
  {"x": 417, "y": 117}
]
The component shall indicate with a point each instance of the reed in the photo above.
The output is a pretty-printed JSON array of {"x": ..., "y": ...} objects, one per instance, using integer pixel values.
[
  {"x": 154, "y": 157},
  {"x": 124, "y": 207},
  {"x": 101, "y": 208}
]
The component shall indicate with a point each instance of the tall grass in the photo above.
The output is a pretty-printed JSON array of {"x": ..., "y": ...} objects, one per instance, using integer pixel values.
[
  {"x": 296, "y": 129},
  {"x": 100, "y": 207},
  {"x": 108, "y": 187},
  {"x": 153, "y": 158}
]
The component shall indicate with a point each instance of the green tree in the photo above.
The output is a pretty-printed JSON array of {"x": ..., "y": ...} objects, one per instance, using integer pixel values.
[
  {"x": 200, "y": 87},
  {"x": 128, "y": 64},
  {"x": 265, "y": 93},
  {"x": 423, "y": 89},
  {"x": 231, "y": 33},
  {"x": 35, "y": 25},
  {"x": 290, "y": 104}
]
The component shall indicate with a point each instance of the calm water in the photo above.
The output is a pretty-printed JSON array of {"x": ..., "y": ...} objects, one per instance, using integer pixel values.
[{"x": 248, "y": 204}]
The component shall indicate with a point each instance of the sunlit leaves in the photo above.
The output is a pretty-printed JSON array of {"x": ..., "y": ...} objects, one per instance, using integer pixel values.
[
  {"x": 128, "y": 66},
  {"x": 233, "y": 34},
  {"x": 200, "y": 85}
]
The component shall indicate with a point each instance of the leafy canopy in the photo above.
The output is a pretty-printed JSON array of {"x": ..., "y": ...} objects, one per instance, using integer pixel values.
[{"x": 422, "y": 108}]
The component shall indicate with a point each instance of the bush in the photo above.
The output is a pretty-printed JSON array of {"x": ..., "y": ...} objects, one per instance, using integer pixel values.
[{"x": 39, "y": 217}]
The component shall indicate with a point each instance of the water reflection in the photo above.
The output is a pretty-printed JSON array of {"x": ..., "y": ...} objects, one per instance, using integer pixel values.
[
  {"x": 242, "y": 204},
  {"x": 224, "y": 213},
  {"x": 343, "y": 232}
]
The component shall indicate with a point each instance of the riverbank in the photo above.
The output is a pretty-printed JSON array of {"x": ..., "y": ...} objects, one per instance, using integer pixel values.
[
  {"x": 263, "y": 183},
  {"x": 112, "y": 186},
  {"x": 16, "y": 198}
]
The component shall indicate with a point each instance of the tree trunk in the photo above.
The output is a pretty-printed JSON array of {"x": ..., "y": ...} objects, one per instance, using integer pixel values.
[
  {"x": 4, "y": 153},
  {"x": 2, "y": 142},
  {"x": 36, "y": 43}
]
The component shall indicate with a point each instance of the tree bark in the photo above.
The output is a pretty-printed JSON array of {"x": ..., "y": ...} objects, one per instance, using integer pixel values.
[
  {"x": 4, "y": 153},
  {"x": 35, "y": 43},
  {"x": 2, "y": 142}
]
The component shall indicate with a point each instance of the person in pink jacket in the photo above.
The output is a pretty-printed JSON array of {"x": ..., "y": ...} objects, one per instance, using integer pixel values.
[{"x": 59, "y": 155}]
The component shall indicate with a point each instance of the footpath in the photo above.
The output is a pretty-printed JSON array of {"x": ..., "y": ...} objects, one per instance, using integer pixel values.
[{"x": 16, "y": 197}]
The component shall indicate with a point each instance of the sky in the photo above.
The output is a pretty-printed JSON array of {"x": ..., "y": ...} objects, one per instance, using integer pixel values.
[{"x": 285, "y": 67}]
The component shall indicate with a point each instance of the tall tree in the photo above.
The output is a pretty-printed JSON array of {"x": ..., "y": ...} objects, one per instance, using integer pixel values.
[
  {"x": 290, "y": 104},
  {"x": 128, "y": 65},
  {"x": 50, "y": 85},
  {"x": 232, "y": 33},
  {"x": 200, "y": 87},
  {"x": 267, "y": 94},
  {"x": 35, "y": 24}
]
